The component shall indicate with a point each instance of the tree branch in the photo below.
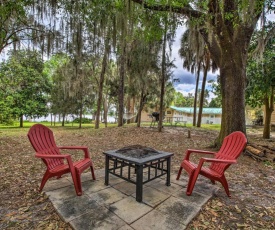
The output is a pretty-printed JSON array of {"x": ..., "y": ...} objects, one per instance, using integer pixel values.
[{"x": 184, "y": 10}]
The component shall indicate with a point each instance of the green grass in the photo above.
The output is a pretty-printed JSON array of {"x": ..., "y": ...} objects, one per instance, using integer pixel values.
[
  {"x": 27, "y": 124},
  {"x": 16, "y": 130}
]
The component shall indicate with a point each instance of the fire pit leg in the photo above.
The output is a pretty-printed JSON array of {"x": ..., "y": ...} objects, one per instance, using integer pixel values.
[
  {"x": 139, "y": 182},
  {"x": 106, "y": 170},
  {"x": 168, "y": 171}
]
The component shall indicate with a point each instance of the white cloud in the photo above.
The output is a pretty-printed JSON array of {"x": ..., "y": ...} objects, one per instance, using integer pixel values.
[
  {"x": 187, "y": 80},
  {"x": 185, "y": 88}
]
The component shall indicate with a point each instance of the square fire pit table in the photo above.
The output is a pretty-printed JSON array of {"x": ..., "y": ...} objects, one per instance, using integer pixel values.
[{"x": 137, "y": 164}]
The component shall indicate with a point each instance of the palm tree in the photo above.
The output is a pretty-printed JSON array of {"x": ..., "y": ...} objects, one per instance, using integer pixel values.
[
  {"x": 191, "y": 52},
  {"x": 196, "y": 55}
]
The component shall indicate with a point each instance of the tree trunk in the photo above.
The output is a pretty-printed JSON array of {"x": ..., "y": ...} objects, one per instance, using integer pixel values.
[
  {"x": 205, "y": 70},
  {"x": 141, "y": 103},
  {"x": 163, "y": 73},
  {"x": 80, "y": 115},
  {"x": 233, "y": 78},
  {"x": 63, "y": 120},
  {"x": 133, "y": 108},
  {"x": 128, "y": 109},
  {"x": 267, "y": 120},
  {"x": 105, "y": 114},
  {"x": 101, "y": 81},
  {"x": 196, "y": 95},
  {"x": 269, "y": 108},
  {"x": 122, "y": 70},
  {"x": 21, "y": 121}
]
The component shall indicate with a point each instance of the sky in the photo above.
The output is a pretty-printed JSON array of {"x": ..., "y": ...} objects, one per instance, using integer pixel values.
[{"x": 187, "y": 80}]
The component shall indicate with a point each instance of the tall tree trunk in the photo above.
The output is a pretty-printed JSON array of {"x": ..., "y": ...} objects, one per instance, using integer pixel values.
[
  {"x": 141, "y": 103},
  {"x": 101, "y": 81},
  {"x": 80, "y": 115},
  {"x": 269, "y": 108},
  {"x": 21, "y": 121},
  {"x": 163, "y": 73},
  {"x": 122, "y": 71},
  {"x": 63, "y": 119},
  {"x": 121, "y": 88},
  {"x": 105, "y": 114},
  {"x": 128, "y": 108},
  {"x": 196, "y": 95},
  {"x": 132, "y": 109},
  {"x": 233, "y": 79},
  {"x": 205, "y": 70}
]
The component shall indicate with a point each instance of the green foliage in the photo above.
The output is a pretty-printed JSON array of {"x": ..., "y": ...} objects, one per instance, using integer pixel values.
[
  {"x": 216, "y": 90},
  {"x": 179, "y": 100},
  {"x": 23, "y": 86},
  {"x": 261, "y": 74},
  {"x": 15, "y": 22},
  {"x": 84, "y": 120},
  {"x": 215, "y": 103}
]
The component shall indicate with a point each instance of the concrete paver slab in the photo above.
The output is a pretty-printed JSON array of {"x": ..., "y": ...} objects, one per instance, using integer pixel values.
[
  {"x": 205, "y": 187},
  {"x": 77, "y": 206},
  {"x": 115, "y": 207},
  {"x": 179, "y": 209},
  {"x": 125, "y": 187},
  {"x": 126, "y": 227},
  {"x": 129, "y": 209},
  {"x": 173, "y": 188},
  {"x": 57, "y": 183},
  {"x": 196, "y": 197},
  {"x": 98, "y": 219},
  {"x": 153, "y": 197},
  {"x": 92, "y": 186},
  {"x": 108, "y": 196},
  {"x": 182, "y": 180},
  {"x": 60, "y": 195},
  {"x": 155, "y": 220}
]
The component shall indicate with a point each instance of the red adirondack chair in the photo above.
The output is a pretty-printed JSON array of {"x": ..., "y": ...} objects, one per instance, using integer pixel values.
[
  {"x": 231, "y": 148},
  {"x": 43, "y": 142}
]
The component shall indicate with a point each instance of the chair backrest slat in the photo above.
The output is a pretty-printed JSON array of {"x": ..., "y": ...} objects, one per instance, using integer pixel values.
[
  {"x": 231, "y": 148},
  {"x": 42, "y": 140}
]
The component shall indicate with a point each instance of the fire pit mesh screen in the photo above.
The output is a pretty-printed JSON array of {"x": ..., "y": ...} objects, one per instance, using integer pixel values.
[{"x": 137, "y": 151}]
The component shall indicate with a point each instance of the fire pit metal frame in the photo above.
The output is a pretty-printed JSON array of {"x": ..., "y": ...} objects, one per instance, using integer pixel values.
[{"x": 158, "y": 165}]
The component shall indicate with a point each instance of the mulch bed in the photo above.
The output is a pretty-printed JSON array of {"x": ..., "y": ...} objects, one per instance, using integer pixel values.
[{"x": 251, "y": 182}]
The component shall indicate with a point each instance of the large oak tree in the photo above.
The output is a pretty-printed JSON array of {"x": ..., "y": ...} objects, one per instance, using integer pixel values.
[{"x": 227, "y": 27}]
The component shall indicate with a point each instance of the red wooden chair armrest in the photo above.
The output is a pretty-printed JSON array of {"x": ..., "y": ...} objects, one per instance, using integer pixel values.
[
  {"x": 41, "y": 155},
  {"x": 189, "y": 151},
  {"x": 62, "y": 156},
  {"x": 202, "y": 160},
  {"x": 219, "y": 160},
  {"x": 84, "y": 148}
]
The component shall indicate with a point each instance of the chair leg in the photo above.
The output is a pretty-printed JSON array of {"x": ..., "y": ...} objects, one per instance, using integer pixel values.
[
  {"x": 179, "y": 173},
  {"x": 77, "y": 182},
  {"x": 192, "y": 181},
  {"x": 79, "y": 185},
  {"x": 44, "y": 180},
  {"x": 225, "y": 185},
  {"x": 93, "y": 172}
]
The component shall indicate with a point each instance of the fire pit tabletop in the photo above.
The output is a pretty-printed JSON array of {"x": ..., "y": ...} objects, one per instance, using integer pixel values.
[{"x": 138, "y": 156}]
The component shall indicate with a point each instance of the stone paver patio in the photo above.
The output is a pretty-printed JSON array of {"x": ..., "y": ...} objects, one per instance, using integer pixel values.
[{"x": 115, "y": 206}]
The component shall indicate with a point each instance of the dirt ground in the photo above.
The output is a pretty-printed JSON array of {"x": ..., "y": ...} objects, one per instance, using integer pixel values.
[{"x": 251, "y": 182}]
